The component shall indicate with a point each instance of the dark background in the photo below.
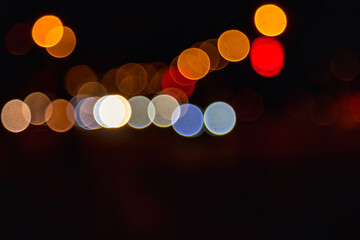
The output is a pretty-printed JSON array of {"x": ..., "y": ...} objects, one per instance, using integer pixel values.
[{"x": 272, "y": 178}]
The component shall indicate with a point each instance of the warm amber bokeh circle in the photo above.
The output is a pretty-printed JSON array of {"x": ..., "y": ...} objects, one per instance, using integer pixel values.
[
  {"x": 193, "y": 63},
  {"x": 233, "y": 45},
  {"x": 270, "y": 20},
  {"x": 47, "y": 31}
]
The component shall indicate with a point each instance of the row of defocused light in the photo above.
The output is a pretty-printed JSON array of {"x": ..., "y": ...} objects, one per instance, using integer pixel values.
[
  {"x": 104, "y": 104},
  {"x": 115, "y": 111}
]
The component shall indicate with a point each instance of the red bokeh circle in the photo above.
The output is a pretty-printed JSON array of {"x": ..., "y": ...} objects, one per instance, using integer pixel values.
[
  {"x": 169, "y": 82},
  {"x": 267, "y": 56}
]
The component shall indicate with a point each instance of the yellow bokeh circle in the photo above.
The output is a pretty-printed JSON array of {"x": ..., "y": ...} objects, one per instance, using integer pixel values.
[
  {"x": 47, "y": 31},
  {"x": 270, "y": 20}
]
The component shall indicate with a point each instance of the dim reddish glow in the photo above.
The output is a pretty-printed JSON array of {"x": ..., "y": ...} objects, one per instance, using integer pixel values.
[
  {"x": 18, "y": 39},
  {"x": 345, "y": 64},
  {"x": 354, "y": 106},
  {"x": 169, "y": 82},
  {"x": 299, "y": 104},
  {"x": 267, "y": 56},
  {"x": 324, "y": 110},
  {"x": 47, "y": 31},
  {"x": 65, "y": 46},
  {"x": 61, "y": 115},
  {"x": 248, "y": 104}
]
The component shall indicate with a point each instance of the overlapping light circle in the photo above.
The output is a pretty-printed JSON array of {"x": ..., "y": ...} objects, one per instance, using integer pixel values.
[
  {"x": 90, "y": 107},
  {"x": 162, "y": 110},
  {"x": 190, "y": 123},
  {"x": 140, "y": 118},
  {"x": 112, "y": 111}
]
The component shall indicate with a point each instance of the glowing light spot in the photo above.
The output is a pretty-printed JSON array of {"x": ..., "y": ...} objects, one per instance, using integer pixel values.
[
  {"x": 65, "y": 46},
  {"x": 15, "y": 116},
  {"x": 233, "y": 45},
  {"x": 37, "y": 103},
  {"x": 139, "y": 116},
  {"x": 249, "y": 104},
  {"x": 267, "y": 56},
  {"x": 131, "y": 79},
  {"x": 84, "y": 113},
  {"x": 77, "y": 76},
  {"x": 161, "y": 111},
  {"x": 92, "y": 89},
  {"x": 176, "y": 75},
  {"x": 112, "y": 111},
  {"x": 270, "y": 20},
  {"x": 169, "y": 82},
  {"x": 61, "y": 115},
  {"x": 345, "y": 64},
  {"x": 47, "y": 31},
  {"x": 190, "y": 123},
  {"x": 219, "y": 118},
  {"x": 193, "y": 63},
  {"x": 18, "y": 39}
]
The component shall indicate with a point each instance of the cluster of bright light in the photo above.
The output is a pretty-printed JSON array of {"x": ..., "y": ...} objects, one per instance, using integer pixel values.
[
  {"x": 47, "y": 32},
  {"x": 93, "y": 107},
  {"x": 115, "y": 111},
  {"x": 267, "y": 52}
]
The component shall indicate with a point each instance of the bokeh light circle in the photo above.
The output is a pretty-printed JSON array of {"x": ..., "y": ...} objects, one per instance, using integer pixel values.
[
  {"x": 267, "y": 56},
  {"x": 60, "y": 115},
  {"x": 112, "y": 111},
  {"x": 233, "y": 45},
  {"x": 168, "y": 81},
  {"x": 37, "y": 103},
  {"x": 84, "y": 113},
  {"x": 219, "y": 118},
  {"x": 15, "y": 116},
  {"x": 139, "y": 112},
  {"x": 47, "y": 31},
  {"x": 270, "y": 20},
  {"x": 193, "y": 63},
  {"x": 345, "y": 64},
  {"x": 190, "y": 123},
  {"x": 18, "y": 39},
  {"x": 65, "y": 46},
  {"x": 161, "y": 111}
]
